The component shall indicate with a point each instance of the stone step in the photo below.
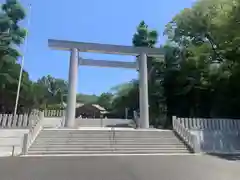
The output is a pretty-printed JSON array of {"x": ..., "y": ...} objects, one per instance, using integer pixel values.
[
  {"x": 107, "y": 142},
  {"x": 106, "y": 149},
  {"x": 163, "y": 151},
  {"x": 102, "y": 142},
  {"x": 126, "y": 130},
  {"x": 104, "y": 135},
  {"x": 105, "y": 145},
  {"x": 76, "y": 132},
  {"x": 76, "y": 148},
  {"x": 107, "y": 132},
  {"x": 100, "y": 136}
]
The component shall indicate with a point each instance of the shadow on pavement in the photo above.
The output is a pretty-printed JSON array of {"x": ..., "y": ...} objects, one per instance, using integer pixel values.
[{"x": 230, "y": 157}]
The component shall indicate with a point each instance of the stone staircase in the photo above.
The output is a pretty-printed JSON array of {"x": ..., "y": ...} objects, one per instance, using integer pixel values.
[{"x": 106, "y": 141}]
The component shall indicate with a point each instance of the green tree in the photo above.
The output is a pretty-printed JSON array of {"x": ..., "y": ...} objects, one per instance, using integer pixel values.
[
  {"x": 11, "y": 37},
  {"x": 10, "y": 32},
  {"x": 125, "y": 96},
  {"x": 86, "y": 98},
  {"x": 55, "y": 89},
  {"x": 208, "y": 33},
  {"x": 105, "y": 100}
]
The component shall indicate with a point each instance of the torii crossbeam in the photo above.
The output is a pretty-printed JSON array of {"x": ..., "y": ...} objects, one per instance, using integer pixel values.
[{"x": 75, "y": 61}]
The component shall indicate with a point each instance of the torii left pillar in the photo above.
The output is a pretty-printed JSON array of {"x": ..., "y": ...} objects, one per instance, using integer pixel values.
[{"x": 72, "y": 89}]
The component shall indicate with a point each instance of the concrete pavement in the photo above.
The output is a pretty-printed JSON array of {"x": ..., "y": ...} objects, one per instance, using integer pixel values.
[{"x": 190, "y": 167}]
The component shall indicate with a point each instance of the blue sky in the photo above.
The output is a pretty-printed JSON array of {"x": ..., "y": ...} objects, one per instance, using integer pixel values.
[{"x": 100, "y": 21}]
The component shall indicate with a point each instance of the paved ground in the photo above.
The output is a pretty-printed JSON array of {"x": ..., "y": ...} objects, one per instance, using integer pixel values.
[{"x": 119, "y": 168}]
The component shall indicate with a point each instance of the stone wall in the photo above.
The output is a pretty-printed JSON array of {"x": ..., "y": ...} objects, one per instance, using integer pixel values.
[
  {"x": 214, "y": 135},
  {"x": 11, "y": 141}
]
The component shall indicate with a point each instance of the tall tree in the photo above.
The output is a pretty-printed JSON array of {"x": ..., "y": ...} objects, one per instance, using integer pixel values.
[
  {"x": 11, "y": 33},
  {"x": 55, "y": 89},
  {"x": 125, "y": 96},
  {"x": 208, "y": 33},
  {"x": 11, "y": 37}
]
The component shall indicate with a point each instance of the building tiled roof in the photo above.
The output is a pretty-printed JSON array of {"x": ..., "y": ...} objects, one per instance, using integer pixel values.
[
  {"x": 77, "y": 105},
  {"x": 102, "y": 109}
]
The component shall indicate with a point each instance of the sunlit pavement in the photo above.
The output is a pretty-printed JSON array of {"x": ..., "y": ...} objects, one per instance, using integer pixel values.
[{"x": 201, "y": 167}]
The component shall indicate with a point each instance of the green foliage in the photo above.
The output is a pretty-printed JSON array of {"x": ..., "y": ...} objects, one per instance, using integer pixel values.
[
  {"x": 144, "y": 37},
  {"x": 10, "y": 32},
  {"x": 208, "y": 33},
  {"x": 55, "y": 89},
  {"x": 105, "y": 100},
  {"x": 86, "y": 99},
  {"x": 125, "y": 96},
  {"x": 11, "y": 36}
]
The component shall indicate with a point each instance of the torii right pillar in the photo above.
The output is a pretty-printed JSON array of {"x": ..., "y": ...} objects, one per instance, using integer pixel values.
[{"x": 143, "y": 91}]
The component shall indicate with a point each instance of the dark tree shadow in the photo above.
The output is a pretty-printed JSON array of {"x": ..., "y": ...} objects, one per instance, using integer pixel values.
[{"x": 229, "y": 157}]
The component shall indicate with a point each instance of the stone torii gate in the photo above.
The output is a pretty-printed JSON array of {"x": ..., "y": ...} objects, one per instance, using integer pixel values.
[{"x": 75, "y": 61}]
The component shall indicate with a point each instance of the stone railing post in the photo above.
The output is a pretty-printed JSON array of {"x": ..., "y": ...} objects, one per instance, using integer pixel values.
[
  {"x": 41, "y": 115},
  {"x": 174, "y": 118},
  {"x": 196, "y": 144},
  {"x": 29, "y": 137},
  {"x": 63, "y": 118},
  {"x": 25, "y": 144},
  {"x": 185, "y": 134}
]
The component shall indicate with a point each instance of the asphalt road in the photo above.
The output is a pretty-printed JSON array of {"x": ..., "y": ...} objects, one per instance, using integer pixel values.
[{"x": 119, "y": 168}]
